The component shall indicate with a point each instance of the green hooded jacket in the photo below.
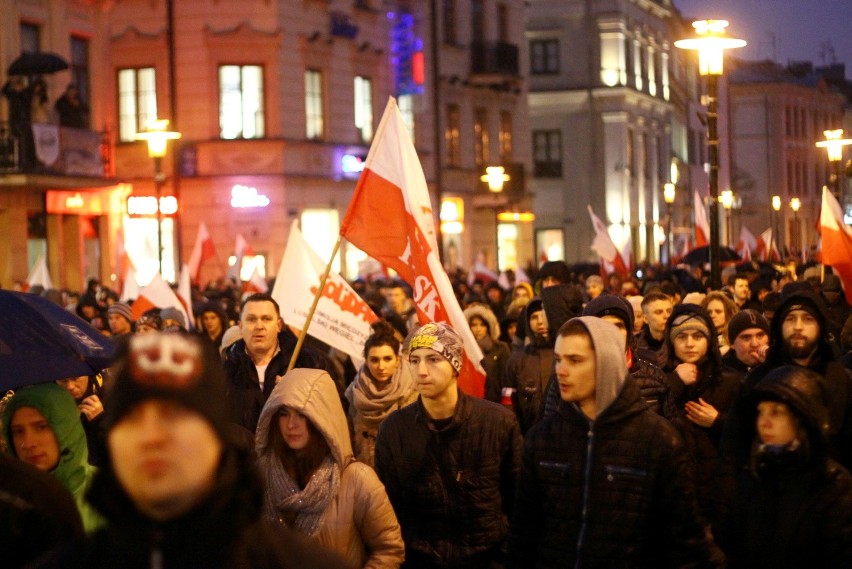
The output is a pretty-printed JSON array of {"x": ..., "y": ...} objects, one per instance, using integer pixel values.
[{"x": 73, "y": 470}]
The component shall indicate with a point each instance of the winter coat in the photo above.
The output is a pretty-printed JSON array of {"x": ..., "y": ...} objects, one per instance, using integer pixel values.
[
  {"x": 452, "y": 486},
  {"x": 608, "y": 492},
  {"x": 792, "y": 507},
  {"x": 495, "y": 354},
  {"x": 73, "y": 470},
  {"x": 224, "y": 531},
  {"x": 359, "y": 523},
  {"x": 364, "y": 415},
  {"x": 244, "y": 393},
  {"x": 528, "y": 372}
]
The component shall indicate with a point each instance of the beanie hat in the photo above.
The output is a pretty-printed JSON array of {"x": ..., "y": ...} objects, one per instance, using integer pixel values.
[
  {"x": 439, "y": 337},
  {"x": 554, "y": 269},
  {"x": 150, "y": 318},
  {"x": 688, "y": 321},
  {"x": 611, "y": 305},
  {"x": 744, "y": 320},
  {"x": 172, "y": 313},
  {"x": 122, "y": 309},
  {"x": 168, "y": 366}
]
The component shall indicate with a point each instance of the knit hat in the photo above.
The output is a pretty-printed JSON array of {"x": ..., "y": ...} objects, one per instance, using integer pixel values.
[
  {"x": 439, "y": 337},
  {"x": 172, "y": 313},
  {"x": 686, "y": 322},
  {"x": 151, "y": 318},
  {"x": 611, "y": 305},
  {"x": 168, "y": 366},
  {"x": 744, "y": 320},
  {"x": 122, "y": 309},
  {"x": 554, "y": 269}
]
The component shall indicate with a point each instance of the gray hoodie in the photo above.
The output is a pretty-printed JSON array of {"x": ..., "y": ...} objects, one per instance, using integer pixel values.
[{"x": 610, "y": 360}]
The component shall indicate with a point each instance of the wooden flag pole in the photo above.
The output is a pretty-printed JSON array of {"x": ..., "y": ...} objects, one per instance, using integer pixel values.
[{"x": 317, "y": 296}]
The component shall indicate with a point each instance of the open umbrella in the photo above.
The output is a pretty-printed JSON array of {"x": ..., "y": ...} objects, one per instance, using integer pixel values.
[
  {"x": 701, "y": 255},
  {"x": 38, "y": 63},
  {"x": 40, "y": 341}
]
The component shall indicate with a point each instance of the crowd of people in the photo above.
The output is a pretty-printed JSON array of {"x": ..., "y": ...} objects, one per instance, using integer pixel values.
[{"x": 641, "y": 422}]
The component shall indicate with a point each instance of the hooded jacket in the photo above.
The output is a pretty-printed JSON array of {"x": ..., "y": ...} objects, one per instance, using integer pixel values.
[
  {"x": 73, "y": 470},
  {"x": 613, "y": 491},
  {"x": 495, "y": 354},
  {"x": 359, "y": 523}
]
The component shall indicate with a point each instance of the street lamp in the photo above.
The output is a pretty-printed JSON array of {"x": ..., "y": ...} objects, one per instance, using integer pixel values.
[
  {"x": 158, "y": 136},
  {"x": 669, "y": 198},
  {"x": 776, "y": 226},
  {"x": 727, "y": 201},
  {"x": 834, "y": 143},
  {"x": 496, "y": 177},
  {"x": 795, "y": 205},
  {"x": 711, "y": 43}
]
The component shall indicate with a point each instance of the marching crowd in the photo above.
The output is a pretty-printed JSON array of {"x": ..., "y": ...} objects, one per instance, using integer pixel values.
[{"x": 644, "y": 422}]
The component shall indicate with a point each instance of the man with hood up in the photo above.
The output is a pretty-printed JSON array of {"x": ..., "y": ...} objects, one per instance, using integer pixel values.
[{"x": 604, "y": 482}]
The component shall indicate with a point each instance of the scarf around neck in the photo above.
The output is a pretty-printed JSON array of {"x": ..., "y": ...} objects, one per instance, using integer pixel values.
[
  {"x": 310, "y": 503},
  {"x": 373, "y": 400}
]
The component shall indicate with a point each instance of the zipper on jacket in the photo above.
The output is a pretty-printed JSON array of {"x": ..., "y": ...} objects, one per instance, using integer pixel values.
[{"x": 586, "y": 483}]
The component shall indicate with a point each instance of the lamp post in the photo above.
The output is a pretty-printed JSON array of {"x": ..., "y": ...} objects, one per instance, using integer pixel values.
[
  {"x": 727, "y": 201},
  {"x": 776, "y": 225},
  {"x": 711, "y": 43},
  {"x": 834, "y": 143},
  {"x": 669, "y": 198},
  {"x": 795, "y": 205},
  {"x": 158, "y": 136},
  {"x": 496, "y": 177}
]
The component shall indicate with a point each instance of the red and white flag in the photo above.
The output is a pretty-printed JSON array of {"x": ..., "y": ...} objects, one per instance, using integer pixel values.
[
  {"x": 836, "y": 241},
  {"x": 157, "y": 294},
  {"x": 39, "y": 274},
  {"x": 767, "y": 247},
  {"x": 241, "y": 249},
  {"x": 202, "y": 250},
  {"x": 342, "y": 318},
  {"x": 184, "y": 292},
  {"x": 702, "y": 221},
  {"x": 481, "y": 272},
  {"x": 130, "y": 288},
  {"x": 256, "y": 282},
  {"x": 627, "y": 254},
  {"x": 391, "y": 219},
  {"x": 611, "y": 258},
  {"x": 747, "y": 243}
]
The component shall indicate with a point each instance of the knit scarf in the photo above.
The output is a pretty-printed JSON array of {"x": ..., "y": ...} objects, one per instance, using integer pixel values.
[
  {"x": 376, "y": 400},
  {"x": 283, "y": 494}
]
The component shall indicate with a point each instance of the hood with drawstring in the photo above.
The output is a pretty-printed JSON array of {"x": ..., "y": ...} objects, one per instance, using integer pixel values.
[{"x": 610, "y": 363}]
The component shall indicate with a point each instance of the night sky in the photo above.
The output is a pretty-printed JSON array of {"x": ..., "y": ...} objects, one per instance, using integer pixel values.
[{"x": 802, "y": 29}]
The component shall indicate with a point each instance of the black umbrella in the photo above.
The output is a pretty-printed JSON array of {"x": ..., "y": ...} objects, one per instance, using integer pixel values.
[
  {"x": 40, "y": 341},
  {"x": 39, "y": 63},
  {"x": 701, "y": 255}
]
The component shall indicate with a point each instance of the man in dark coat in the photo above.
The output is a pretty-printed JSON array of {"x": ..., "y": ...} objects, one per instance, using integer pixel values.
[
  {"x": 449, "y": 462},
  {"x": 604, "y": 482}
]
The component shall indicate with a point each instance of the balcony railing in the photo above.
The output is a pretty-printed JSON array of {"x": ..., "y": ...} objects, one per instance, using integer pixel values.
[
  {"x": 493, "y": 61},
  {"x": 51, "y": 149}
]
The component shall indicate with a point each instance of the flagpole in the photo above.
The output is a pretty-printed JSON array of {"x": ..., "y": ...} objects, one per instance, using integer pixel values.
[{"x": 317, "y": 297}]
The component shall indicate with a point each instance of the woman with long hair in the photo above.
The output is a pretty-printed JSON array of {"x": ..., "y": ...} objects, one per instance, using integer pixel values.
[
  {"x": 721, "y": 309},
  {"x": 313, "y": 482},
  {"x": 381, "y": 387}
]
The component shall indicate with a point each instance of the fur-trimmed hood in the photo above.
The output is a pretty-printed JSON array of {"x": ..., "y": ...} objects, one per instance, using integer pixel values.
[{"x": 487, "y": 316}]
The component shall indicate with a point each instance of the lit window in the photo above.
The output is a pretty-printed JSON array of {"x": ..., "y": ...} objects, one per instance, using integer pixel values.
[
  {"x": 364, "y": 107},
  {"x": 241, "y": 101},
  {"x": 452, "y": 135},
  {"x": 313, "y": 105},
  {"x": 480, "y": 136},
  {"x": 505, "y": 137},
  {"x": 137, "y": 101}
]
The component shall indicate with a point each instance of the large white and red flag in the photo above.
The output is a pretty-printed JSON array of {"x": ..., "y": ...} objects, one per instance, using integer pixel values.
[
  {"x": 747, "y": 243},
  {"x": 767, "y": 246},
  {"x": 836, "y": 241},
  {"x": 342, "y": 318},
  {"x": 184, "y": 293},
  {"x": 241, "y": 249},
  {"x": 611, "y": 258},
  {"x": 256, "y": 282},
  {"x": 391, "y": 219},
  {"x": 702, "y": 221},
  {"x": 157, "y": 294},
  {"x": 202, "y": 250}
]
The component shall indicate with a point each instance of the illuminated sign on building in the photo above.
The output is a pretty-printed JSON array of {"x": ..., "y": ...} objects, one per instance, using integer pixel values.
[
  {"x": 147, "y": 205},
  {"x": 406, "y": 54},
  {"x": 76, "y": 203},
  {"x": 352, "y": 164},
  {"x": 247, "y": 197}
]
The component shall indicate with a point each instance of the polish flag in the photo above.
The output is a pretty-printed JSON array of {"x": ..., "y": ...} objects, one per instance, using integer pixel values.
[
  {"x": 125, "y": 263},
  {"x": 391, "y": 219},
  {"x": 767, "y": 247},
  {"x": 836, "y": 241},
  {"x": 39, "y": 275},
  {"x": 184, "y": 292},
  {"x": 130, "y": 288},
  {"x": 158, "y": 294},
  {"x": 746, "y": 244},
  {"x": 479, "y": 271},
  {"x": 256, "y": 282},
  {"x": 241, "y": 249},
  {"x": 627, "y": 254},
  {"x": 611, "y": 258},
  {"x": 202, "y": 250},
  {"x": 702, "y": 222}
]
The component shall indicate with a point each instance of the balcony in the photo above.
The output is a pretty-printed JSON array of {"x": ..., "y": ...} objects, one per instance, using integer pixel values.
[{"x": 493, "y": 63}]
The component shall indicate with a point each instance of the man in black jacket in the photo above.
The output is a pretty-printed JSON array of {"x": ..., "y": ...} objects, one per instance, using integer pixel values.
[
  {"x": 604, "y": 482},
  {"x": 449, "y": 461}
]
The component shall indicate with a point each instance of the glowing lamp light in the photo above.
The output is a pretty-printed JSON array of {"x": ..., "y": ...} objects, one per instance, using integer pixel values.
[
  {"x": 710, "y": 44},
  {"x": 495, "y": 177},
  {"x": 75, "y": 201},
  {"x": 247, "y": 197},
  {"x": 669, "y": 193},
  {"x": 795, "y": 204},
  {"x": 516, "y": 216},
  {"x": 834, "y": 143},
  {"x": 727, "y": 199},
  {"x": 157, "y": 136},
  {"x": 147, "y": 205},
  {"x": 776, "y": 203}
]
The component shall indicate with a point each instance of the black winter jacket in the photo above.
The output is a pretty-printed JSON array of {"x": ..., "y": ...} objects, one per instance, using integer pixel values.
[{"x": 452, "y": 488}]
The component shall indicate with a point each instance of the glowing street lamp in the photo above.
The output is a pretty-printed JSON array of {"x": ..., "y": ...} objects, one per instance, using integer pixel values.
[
  {"x": 495, "y": 177},
  {"x": 158, "y": 136},
  {"x": 795, "y": 205},
  {"x": 834, "y": 143},
  {"x": 710, "y": 43}
]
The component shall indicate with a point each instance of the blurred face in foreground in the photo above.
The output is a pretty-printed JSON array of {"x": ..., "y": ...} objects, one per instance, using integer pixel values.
[{"x": 776, "y": 424}]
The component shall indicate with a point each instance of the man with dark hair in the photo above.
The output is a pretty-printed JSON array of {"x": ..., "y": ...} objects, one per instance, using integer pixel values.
[
  {"x": 741, "y": 290},
  {"x": 604, "y": 481},
  {"x": 529, "y": 367},
  {"x": 657, "y": 307},
  {"x": 259, "y": 360},
  {"x": 400, "y": 308},
  {"x": 748, "y": 335}
]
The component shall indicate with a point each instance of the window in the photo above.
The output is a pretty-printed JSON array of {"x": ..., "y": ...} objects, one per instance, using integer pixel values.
[
  {"x": 449, "y": 21},
  {"x": 544, "y": 56},
  {"x": 313, "y": 105},
  {"x": 80, "y": 66},
  {"x": 547, "y": 153},
  {"x": 480, "y": 137},
  {"x": 406, "y": 109},
  {"x": 451, "y": 135},
  {"x": 505, "y": 137},
  {"x": 30, "y": 38},
  {"x": 137, "y": 101},
  {"x": 241, "y": 101},
  {"x": 364, "y": 107}
]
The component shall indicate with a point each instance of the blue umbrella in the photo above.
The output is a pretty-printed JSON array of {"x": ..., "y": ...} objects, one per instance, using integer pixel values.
[{"x": 41, "y": 341}]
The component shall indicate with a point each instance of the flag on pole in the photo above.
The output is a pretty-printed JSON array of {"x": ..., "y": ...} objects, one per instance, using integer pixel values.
[
  {"x": 627, "y": 254},
  {"x": 157, "y": 294},
  {"x": 481, "y": 272},
  {"x": 391, "y": 219},
  {"x": 202, "y": 250},
  {"x": 39, "y": 275},
  {"x": 611, "y": 258},
  {"x": 767, "y": 246},
  {"x": 747, "y": 243},
  {"x": 130, "y": 289},
  {"x": 184, "y": 292},
  {"x": 241, "y": 249},
  {"x": 256, "y": 282},
  {"x": 836, "y": 241},
  {"x": 702, "y": 222},
  {"x": 342, "y": 318}
]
